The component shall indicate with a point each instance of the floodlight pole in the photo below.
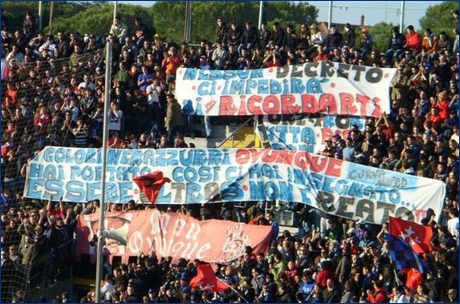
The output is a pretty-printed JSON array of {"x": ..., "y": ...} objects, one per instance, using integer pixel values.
[
  {"x": 261, "y": 13},
  {"x": 105, "y": 136},
  {"x": 40, "y": 15},
  {"x": 401, "y": 22},
  {"x": 115, "y": 9},
  {"x": 188, "y": 21}
]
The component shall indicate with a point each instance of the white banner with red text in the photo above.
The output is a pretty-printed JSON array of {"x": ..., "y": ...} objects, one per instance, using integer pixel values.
[
  {"x": 200, "y": 176},
  {"x": 314, "y": 87}
]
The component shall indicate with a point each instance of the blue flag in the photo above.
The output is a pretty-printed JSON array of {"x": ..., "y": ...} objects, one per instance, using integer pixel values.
[{"x": 403, "y": 256}]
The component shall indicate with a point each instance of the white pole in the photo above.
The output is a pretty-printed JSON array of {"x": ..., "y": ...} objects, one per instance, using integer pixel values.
[
  {"x": 115, "y": 9},
  {"x": 105, "y": 136},
  {"x": 329, "y": 21},
  {"x": 51, "y": 16},
  {"x": 261, "y": 13},
  {"x": 188, "y": 21},
  {"x": 40, "y": 15},
  {"x": 401, "y": 23}
]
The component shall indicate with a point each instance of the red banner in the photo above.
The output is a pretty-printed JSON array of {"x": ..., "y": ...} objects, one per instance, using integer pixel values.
[{"x": 170, "y": 234}]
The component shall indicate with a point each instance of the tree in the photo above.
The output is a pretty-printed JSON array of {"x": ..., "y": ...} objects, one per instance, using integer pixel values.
[
  {"x": 438, "y": 18},
  {"x": 169, "y": 20},
  {"x": 380, "y": 34}
]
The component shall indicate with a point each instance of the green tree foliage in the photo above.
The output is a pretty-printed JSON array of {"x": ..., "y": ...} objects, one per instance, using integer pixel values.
[
  {"x": 380, "y": 34},
  {"x": 97, "y": 19},
  {"x": 62, "y": 12},
  {"x": 169, "y": 19},
  {"x": 439, "y": 18},
  {"x": 15, "y": 12}
]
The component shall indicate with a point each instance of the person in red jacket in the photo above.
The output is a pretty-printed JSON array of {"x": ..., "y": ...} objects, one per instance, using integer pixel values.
[
  {"x": 435, "y": 119},
  {"x": 325, "y": 273},
  {"x": 170, "y": 64},
  {"x": 379, "y": 295},
  {"x": 413, "y": 41},
  {"x": 442, "y": 104}
]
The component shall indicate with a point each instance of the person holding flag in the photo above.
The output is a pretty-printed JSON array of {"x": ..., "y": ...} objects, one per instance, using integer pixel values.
[
  {"x": 206, "y": 281},
  {"x": 378, "y": 294},
  {"x": 403, "y": 256}
]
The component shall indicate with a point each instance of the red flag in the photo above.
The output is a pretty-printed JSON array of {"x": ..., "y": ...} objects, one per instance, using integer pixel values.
[
  {"x": 416, "y": 235},
  {"x": 206, "y": 280},
  {"x": 151, "y": 184}
]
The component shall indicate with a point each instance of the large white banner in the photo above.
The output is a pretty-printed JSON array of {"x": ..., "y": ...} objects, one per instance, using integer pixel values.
[
  {"x": 202, "y": 175},
  {"x": 304, "y": 133},
  {"x": 314, "y": 87}
]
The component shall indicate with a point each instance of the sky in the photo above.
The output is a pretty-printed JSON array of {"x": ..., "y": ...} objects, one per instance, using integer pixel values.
[{"x": 351, "y": 11}]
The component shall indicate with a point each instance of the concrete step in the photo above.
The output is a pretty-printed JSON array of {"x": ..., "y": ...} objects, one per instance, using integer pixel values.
[
  {"x": 243, "y": 139},
  {"x": 246, "y": 141}
]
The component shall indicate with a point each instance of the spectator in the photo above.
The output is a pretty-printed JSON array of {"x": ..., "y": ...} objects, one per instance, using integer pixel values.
[
  {"x": 334, "y": 39},
  {"x": 278, "y": 36},
  {"x": 129, "y": 51},
  {"x": 284, "y": 294},
  {"x": 378, "y": 294},
  {"x": 221, "y": 31},
  {"x": 278, "y": 266},
  {"x": 173, "y": 119},
  {"x": 15, "y": 54},
  {"x": 219, "y": 56},
  {"x": 63, "y": 49},
  {"x": 398, "y": 295},
  {"x": 250, "y": 36},
  {"x": 42, "y": 246},
  {"x": 29, "y": 25},
  {"x": 154, "y": 92},
  {"x": 264, "y": 35},
  {"x": 365, "y": 43},
  {"x": 413, "y": 41},
  {"x": 141, "y": 32},
  {"x": 80, "y": 133},
  {"x": 303, "y": 38},
  {"x": 119, "y": 29},
  {"x": 329, "y": 150},
  {"x": 429, "y": 42},
  {"x": 445, "y": 42},
  {"x": 452, "y": 295},
  {"x": 349, "y": 38},
  {"x": 348, "y": 295},
  {"x": 170, "y": 64}
]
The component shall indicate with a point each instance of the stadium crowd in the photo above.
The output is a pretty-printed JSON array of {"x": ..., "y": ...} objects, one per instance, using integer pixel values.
[{"x": 53, "y": 94}]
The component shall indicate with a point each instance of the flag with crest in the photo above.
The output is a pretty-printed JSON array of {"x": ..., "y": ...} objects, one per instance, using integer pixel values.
[{"x": 416, "y": 235}]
